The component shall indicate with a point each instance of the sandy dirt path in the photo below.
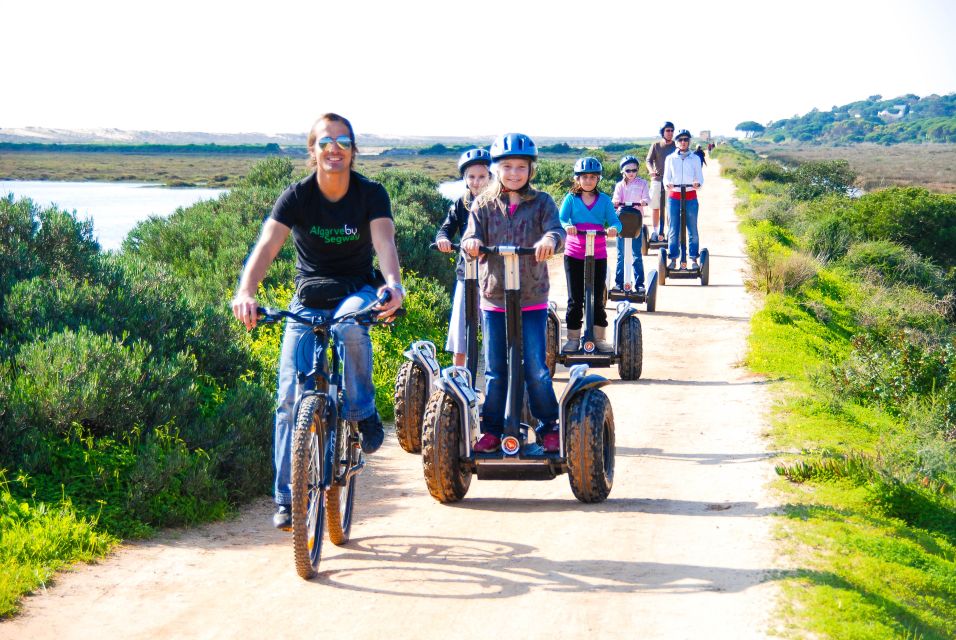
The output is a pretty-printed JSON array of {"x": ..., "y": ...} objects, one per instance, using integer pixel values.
[{"x": 682, "y": 549}]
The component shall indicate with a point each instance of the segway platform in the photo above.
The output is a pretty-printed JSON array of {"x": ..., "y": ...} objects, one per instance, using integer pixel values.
[{"x": 690, "y": 273}]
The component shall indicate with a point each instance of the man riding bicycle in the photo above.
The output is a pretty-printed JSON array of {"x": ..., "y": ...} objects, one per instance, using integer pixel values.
[{"x": 337, "y": 217}]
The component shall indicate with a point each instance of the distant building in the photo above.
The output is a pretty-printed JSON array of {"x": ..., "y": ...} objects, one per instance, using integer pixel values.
[
  {"x": 705, "y": 134},
  {"x": 888, "y": 115}
]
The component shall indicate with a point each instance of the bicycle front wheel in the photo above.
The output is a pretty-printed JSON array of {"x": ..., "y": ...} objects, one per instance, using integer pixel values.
[
  {"x": 340, "y": 497},
  {"x": 308, "y": 503}
]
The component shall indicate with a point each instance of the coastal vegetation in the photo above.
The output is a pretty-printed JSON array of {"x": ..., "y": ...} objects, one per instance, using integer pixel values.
[
  {"x": 907, "y": 118},
  {"x": 858, "y": 325}
]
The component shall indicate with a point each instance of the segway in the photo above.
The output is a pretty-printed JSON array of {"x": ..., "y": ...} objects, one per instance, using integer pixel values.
[
  {"x": 661, "y": 225},
  {"x": 628, "y": 351},
  {"x": 585, "y": 420},
  {"x": 631, "y": 217},
  {"x": 703, "y": 271},
  {"x": 416, "y": 376}
]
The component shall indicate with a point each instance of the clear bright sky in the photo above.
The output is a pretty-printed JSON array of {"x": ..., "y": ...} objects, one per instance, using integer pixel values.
[{"x": 481, "y": 67}]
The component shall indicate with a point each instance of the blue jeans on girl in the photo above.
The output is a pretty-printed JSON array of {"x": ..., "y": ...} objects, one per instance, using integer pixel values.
[
  {"x": 638, "y": 263},
  {"x": 544, "y": 404}
]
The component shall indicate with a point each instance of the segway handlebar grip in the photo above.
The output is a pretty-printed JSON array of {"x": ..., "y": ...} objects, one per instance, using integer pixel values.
[
  {"x": 506, "y": 250},
  {"x": 454, "y": 246}
]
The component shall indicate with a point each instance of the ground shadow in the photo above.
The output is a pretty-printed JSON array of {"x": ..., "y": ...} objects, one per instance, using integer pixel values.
[
  {"x": 699, "y": 458},
  {"x": 656, "y": 506},
  {"x": 701, "y": 383},
  {"x": 684, "y": 314},
  {"x": 499, "y": 569}
]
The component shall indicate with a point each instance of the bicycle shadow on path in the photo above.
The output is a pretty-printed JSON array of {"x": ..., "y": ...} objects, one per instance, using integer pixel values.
[{"x": 456, "y": 568}]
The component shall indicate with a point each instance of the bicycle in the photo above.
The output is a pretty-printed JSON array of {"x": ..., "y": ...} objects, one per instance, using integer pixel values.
[{"x": 325, "y": 461}]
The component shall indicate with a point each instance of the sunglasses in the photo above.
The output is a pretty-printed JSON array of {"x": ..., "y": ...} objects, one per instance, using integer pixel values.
[
  {"x": 630, "y": 171},
  {"x": 325, "y": 143},
  {"x": 666, "y": 130},
  {"x": 683, "y": 139}
]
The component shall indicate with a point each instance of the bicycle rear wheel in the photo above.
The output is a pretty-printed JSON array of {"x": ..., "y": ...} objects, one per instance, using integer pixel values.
[
  {"x": 308, "y": 503},
  {"x": 340, "y": 498}
]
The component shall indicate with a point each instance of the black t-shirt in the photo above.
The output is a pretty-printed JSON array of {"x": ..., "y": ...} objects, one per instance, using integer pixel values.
[{"x": 332, "y": 238}]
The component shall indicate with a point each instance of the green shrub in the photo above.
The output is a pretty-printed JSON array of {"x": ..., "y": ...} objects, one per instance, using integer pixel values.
[
  {"x": 825, "y": 228},
  {"x": 912, "y": 216},
  {"x": 37, "y": 242},
  {"x": 892, "y": 263},
  {"x": 98, "y": 382},
  {"x": 765, "y": 170},
  {"x": 891, "y": 370},
  {"x": 818, "y": 178}
]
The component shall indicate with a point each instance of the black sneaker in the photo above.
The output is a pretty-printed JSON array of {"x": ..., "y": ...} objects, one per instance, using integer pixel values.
[
  {"x": 282, "y": 519},
  {"x": 373, "y": 433}
]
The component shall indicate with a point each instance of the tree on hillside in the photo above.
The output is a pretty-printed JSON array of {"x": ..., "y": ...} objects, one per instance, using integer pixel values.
[{"x": 751, "y": 128}]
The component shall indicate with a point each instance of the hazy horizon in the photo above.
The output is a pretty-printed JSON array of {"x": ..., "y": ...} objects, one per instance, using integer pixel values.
[{"x": 420, "y": 69}]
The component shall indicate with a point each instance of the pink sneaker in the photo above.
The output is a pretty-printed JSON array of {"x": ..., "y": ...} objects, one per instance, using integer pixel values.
[
  {"x": 487, "y": 443},
  {"x": 551, "y": 442}
]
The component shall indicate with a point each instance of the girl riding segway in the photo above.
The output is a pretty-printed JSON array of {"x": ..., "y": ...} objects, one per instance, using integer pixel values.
[
  {"x": 586, "y": 208},
  {"x": 511, "y": 212},
  {"x": 473, "y": 169},
  {"x": 413, "y": 383},
  {"x": 630, "y": 194}
]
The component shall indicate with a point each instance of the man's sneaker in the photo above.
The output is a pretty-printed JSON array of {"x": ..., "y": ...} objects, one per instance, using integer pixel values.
[
  {"x": 373, "y": 433},
  {"x": 487, "y": 443},
  {"x": 672, "y": 264},
  {"x": 282, "y": 519},
  {"x": 694, "y": 263}
]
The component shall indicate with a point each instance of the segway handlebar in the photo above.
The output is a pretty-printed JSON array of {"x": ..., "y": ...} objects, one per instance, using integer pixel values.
[
  {"x": 455, "y": 246},
  {"x": 504, "y": 250}
]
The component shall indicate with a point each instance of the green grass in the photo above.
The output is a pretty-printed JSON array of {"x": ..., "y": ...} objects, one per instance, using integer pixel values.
[
  {"x": 872, "y": 556},
  {"x": 36, "y": 540}
]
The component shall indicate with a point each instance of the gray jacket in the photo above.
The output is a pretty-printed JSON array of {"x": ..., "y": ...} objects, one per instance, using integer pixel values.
[{"x": 534, "y": 219}]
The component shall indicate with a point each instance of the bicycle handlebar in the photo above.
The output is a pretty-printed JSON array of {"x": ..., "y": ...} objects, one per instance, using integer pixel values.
[{"x": 366, "y": 315}]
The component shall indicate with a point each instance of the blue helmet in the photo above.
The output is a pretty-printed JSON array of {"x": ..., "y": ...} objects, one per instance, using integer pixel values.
[
  {"x": 627, "y": 160},
  {"x": 473, "y": 156},
  {"x": 514, "y": 145},
  {"x": 667, "y": 125},
  {"x": 587, "y": 165},
  {"x": 683, "y": 133}
]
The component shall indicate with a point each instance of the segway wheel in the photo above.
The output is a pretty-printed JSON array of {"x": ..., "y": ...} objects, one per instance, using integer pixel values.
[
  {"x": 704, "y": 267},
  {"x": 447, "y": 479},
  {"x": 589, "y": 434},
  {"x": 662, "y": 266},
  {"x": 631, "y": 348},
  {"x": 553, "y": 343},
  {"x": 644, "y": 241},
  {"x": 652, "y": 292},
  {"x": 410, "y": 397}
]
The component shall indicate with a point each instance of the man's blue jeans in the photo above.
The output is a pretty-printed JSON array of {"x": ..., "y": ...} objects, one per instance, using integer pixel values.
[
  {"x": 298, "y": 345},
  {"x": 638, "y": 263},
  {"x": 673, "y": 235},
  {"x": 537, "y": 377}
]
